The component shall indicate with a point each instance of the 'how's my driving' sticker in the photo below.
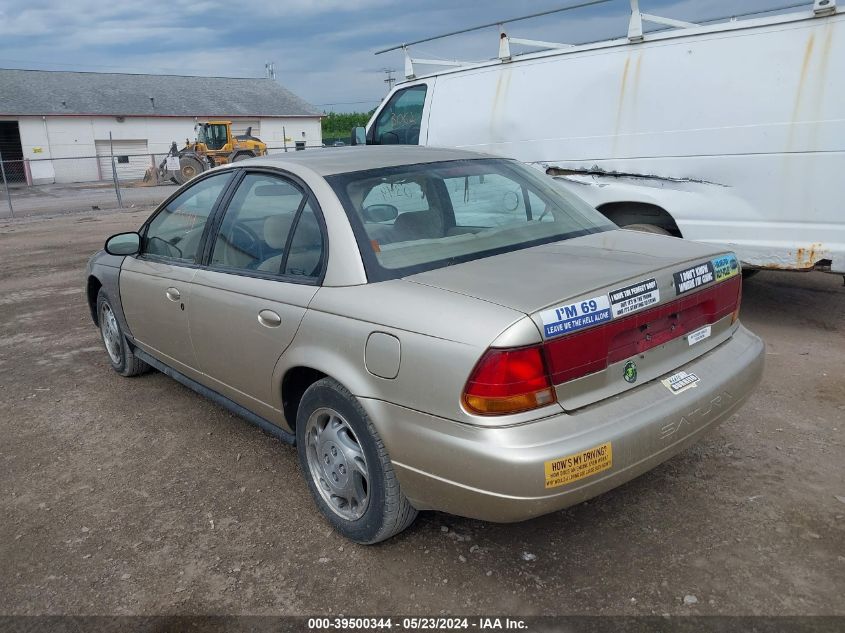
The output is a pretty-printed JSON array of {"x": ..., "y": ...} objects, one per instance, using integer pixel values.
[{"x": 565, "y": 470}]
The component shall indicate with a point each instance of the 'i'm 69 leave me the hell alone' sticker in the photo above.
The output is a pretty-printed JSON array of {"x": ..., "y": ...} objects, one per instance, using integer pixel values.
[{"x": 575, "y": 316}]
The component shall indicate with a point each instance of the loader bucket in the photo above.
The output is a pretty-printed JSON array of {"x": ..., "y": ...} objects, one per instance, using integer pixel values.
[{"x": 151, "y": 176}]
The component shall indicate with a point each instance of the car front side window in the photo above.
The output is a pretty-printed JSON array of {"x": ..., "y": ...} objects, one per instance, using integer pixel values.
[{"x": 175, "y": 232}]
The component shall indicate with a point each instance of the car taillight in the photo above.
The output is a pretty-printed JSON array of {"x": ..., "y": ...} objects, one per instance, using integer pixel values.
[
  {"x": 509, "y": 381},
  {"x": 735, "y": 315}
]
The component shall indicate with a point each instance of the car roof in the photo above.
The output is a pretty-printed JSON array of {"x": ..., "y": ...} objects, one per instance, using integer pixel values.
[{"x": 328, "y": 161}]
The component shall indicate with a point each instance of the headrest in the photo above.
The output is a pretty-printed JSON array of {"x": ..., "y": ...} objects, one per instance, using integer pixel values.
[
  {"x": 308, "y": 232},
  {"x": 276, "y": 229}
]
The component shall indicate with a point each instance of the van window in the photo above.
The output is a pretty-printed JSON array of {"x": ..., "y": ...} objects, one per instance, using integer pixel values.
[
  {"x": 399, "y": 122},
  {"x": 487, "y": 200}
]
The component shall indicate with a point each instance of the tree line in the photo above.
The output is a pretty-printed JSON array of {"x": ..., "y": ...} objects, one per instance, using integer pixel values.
[{"x": 339, "y": 124}]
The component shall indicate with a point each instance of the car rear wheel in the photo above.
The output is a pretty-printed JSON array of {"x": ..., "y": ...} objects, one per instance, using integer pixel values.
[
  {"x": 347, "y": 467},
  {"x": 123, "y": 361}
]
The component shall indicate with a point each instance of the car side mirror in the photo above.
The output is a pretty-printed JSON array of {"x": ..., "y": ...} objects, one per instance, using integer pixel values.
[
  {"x": 380, "y": 213},
  {"x": 358, "y": 136},
  {"x": 124, "y": 244}
]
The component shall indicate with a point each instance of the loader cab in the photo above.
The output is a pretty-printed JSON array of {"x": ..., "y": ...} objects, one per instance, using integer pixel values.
[{"x": 214, "y": 135}]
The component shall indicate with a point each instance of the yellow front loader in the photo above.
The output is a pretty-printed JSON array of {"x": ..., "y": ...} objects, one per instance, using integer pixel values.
[{"x": 214, "y": 145}]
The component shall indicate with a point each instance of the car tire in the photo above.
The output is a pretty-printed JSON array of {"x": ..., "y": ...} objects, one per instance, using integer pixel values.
[
  {"x": 120, "y": 355},
  {"x": 647, "y": 228},
  {"x": 329, "y": 418}
]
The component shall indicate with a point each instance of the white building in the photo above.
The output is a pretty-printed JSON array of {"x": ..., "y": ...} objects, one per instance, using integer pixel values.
[{"x": 55, "y": 125}]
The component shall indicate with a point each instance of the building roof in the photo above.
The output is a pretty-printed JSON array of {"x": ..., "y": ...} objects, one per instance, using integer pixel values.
[{"x": 40, "y": 92}]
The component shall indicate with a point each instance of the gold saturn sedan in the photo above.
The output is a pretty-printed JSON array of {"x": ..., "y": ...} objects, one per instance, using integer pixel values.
[{"x": 432, "y": 328}]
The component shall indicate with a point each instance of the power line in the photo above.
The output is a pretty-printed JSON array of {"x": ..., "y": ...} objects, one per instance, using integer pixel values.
[
  {"x": 496, "y": 23},
  {"x": 349, "y": 102}
]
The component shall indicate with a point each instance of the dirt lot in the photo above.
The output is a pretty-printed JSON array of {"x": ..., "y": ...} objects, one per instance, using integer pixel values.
[{"x": 137, "y": 496}]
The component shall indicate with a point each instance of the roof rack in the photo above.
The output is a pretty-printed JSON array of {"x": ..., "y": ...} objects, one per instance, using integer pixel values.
[{"x": 635, "y": 31}]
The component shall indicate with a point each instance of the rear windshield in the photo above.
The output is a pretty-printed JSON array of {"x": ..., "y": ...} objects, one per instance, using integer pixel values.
[{"x": 414, "y": 218}]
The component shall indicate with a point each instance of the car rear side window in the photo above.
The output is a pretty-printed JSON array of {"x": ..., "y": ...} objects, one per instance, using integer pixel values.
[
  {"x": 176, "y": 231},
  {"x": 305, "y": 255}
]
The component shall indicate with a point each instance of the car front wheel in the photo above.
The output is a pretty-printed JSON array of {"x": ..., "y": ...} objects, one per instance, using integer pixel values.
[
  {"x": 347, "y": 467},
  {"x": 123, "y": 361}
]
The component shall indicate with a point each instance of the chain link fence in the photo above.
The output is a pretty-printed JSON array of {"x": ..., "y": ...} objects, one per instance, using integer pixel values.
[{"x": 89, "y": 182}]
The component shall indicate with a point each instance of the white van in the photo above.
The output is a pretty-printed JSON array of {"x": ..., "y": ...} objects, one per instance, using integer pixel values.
[{"x": 730, "y": 133}]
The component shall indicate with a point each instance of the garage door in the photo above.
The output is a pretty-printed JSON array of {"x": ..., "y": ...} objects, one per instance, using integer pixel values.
[
  {"x": 239, "y": 127},
  {"x": 131, "y": 159}
]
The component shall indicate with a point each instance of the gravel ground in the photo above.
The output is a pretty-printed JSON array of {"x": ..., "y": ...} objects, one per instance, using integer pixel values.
[{"x": 136, "y": 496}]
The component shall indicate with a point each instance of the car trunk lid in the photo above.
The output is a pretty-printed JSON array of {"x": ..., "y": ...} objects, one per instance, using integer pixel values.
[{"x": 615, "y": 309}]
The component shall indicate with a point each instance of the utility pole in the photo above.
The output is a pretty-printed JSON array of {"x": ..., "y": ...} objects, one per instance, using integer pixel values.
[
  {"x": 270, "y": 69},
  {"x": 391, "y": 80}
]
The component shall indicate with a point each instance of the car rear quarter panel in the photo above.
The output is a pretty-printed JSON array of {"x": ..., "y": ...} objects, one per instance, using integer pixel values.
[{"x": 442, "y": 335}]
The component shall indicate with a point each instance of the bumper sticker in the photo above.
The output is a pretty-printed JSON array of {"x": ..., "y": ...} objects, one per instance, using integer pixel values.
[
  {"x": 575, "y": 316},
  {"x": 698, "y": 335},
  {"x": 693, "y": 278},
  {"x": 725, "y": 267},
  {"x": 565, "y": 470},
  {"x": 634, "y": 298},
  {"x": 680, "y": 382}
]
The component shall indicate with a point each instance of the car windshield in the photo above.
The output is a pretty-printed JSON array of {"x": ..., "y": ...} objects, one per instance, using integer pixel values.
[{"x": 415, "y": 218}]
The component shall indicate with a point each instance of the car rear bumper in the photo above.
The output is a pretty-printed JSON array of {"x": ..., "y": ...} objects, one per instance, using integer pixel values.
[{"x": 500, "y": 474}]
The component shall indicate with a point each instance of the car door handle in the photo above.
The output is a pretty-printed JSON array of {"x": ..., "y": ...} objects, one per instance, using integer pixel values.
[
  {"x": 268, "y": 318},
  {"x": 173, "y": 294}
]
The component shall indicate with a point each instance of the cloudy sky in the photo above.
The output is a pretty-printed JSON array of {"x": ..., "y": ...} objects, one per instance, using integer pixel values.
[{"x": 322, "y": 49}]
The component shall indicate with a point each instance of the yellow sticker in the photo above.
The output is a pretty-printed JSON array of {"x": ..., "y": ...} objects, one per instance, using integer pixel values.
[{"x": 565, "y": 470}]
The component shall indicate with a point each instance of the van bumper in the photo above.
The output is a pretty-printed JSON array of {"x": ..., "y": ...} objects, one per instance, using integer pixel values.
[{"x": 500, "y": 474}]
